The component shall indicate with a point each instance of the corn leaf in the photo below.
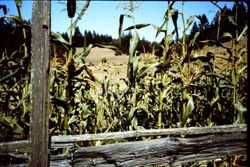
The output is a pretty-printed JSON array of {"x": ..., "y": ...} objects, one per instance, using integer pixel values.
[
  {"x": 189, "y": 22},
  {"x": 58, "y": 37},
  {"x": 242, "y": 33},
  {"x": 133, "y": 43},
  {"x": 226, "y": 35},
  {"x": 192, "y": 41},
  {"x": 72, "y": 119},
  {"x": 14, "y": 18},
  {"x": 231, "y": 20},
  {"x": 239, "y": 107},
  {"x": 84, "y": 9},
  {"x": 120, "y": 29},
  {"x": 144, "y": 70},
  {"x": 174, "y": 14},
  {"x": 137, "y": 26}
]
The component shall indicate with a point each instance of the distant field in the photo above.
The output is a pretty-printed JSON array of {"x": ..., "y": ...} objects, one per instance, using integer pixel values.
[{"x": 115, "y": 67}]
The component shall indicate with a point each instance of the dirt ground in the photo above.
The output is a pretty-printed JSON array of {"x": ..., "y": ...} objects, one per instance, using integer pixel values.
[
  {"x": 114, "y": 68},
  {"x": 103, "y": 62}
]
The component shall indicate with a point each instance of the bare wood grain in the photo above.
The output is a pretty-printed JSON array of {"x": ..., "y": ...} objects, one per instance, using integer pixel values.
[
  {"x": 151, "y": 132},
  {"x": 205, "y": 143},
  {"x": 60, "y": 141},
  {"x": 170, "y": 150},
  {"x": 40, "y": 31}
]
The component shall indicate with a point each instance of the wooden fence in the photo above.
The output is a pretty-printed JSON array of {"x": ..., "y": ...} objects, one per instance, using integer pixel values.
[
  {"x": 177, "y": 146},
  {"x": 170, "y": 146}
]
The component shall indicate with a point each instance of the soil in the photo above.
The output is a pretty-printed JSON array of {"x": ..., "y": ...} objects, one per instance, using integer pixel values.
[{"x": 104, "y": 63}]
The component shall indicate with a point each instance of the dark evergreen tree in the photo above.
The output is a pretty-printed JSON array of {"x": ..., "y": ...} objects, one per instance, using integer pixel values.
[
  {"x": 65, "y": 36},
  {"x": 88, "y": 37},
  {"x": 194, "y": 29},
  {"x": 241, "y": 14},
  {"x": 77, "y": 38},
  {"x": 125, "y": 42},
  {"x": 203, "y": 24}
]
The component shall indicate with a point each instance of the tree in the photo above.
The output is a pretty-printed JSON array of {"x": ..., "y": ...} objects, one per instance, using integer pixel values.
[
  {"x": 125, "y": 42},
  {"x": 88, "y": 37},
  {"x": 194, "y": 29},
  {"x": 77, "y": 38},
  {"x": 65, "y": 36},
  {"x": 241, "y": 14},
  {"x": 203, "y": 24}
]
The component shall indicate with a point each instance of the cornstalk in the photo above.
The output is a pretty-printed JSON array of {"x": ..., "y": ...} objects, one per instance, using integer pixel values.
[
  {"x": 68, "y": 88},
  {"x": 236, "y": 57},
  {"x": 166, "y": 48}
]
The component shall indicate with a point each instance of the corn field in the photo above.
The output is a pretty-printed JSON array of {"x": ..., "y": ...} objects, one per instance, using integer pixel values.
[{"x": 177, "y": 89}]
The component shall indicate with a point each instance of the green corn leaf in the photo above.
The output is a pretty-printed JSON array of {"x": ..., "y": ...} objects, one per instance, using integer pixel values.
[
  {"x": 12, "y": 122},
  {"x": 188, "y": 109},
  {"x": 120, "y": 29},
  {"x": 214, "y": 100},
  {"x": 238, "y": 105},
  {"x": 241, "y": 109},
  {"x": 134, "y": 124},
  {"x": 58, "y": 37},
  {"x": 132, "y": 112},
  {"x": 231, "y": 20},
  {"x": 174, "y": 14},
  {"x": 242, "y": 69},
  {"x": 242, "y": 51},
  {"x": 135, "y": 65},
  {"x": 163, "y": 94},
  {"x": 137, "y": 26},
  {"x": 158, "y": 30},
  {"x": 114, "y": 48},
  {"x": 189, "y": 22},
  {"x": 18, "y": 3},
  {"x": 190, "y": 106},
  {"x": 144, "y": 70},
  {"x": 87, "y": 50},
  {"x": 213, "y": 42},
  {"x": 171, "y": 4},
  {"x": 14, "y": 18},
  {"x": 90, "y": 74},
  {"x": 133, "y": 43},
  {"x": 82, "y": 55},
  {"x": 242, "y": 33},
  {"x": 72, "y": 119},
  {"x": 192, "y": 42},
  {"x": 78, "y": 71},
  {"x": 226, "y": 35}
]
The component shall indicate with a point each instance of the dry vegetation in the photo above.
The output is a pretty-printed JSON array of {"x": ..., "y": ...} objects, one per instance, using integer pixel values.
[
  {"x": 115, "y": 66},
  {"x": 93, "y": 90}
]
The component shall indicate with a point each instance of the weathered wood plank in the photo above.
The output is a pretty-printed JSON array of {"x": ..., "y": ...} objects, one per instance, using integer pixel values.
[
  {"x": 60, "y": 141},
  {"x": 151, "y": 132},
  {"x": 170, "y": 150},
  {"x": 40, "y": 31},
  {"x": 23, "y": 146},
  {"x": 15, "y": 146}
]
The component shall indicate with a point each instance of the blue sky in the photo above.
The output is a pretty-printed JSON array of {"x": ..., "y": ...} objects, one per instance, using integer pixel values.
[{"x": 103, "y": 16}]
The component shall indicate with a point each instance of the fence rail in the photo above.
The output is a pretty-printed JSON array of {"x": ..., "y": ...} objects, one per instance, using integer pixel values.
[{"x": 199, "y": 143}]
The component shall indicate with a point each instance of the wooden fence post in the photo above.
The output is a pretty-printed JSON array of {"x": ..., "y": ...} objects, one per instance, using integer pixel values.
[{"x": 40, "y": 30}]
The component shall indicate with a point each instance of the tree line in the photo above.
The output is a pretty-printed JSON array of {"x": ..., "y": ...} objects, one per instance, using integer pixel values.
[
  {"x": 222, "y": 22},
  {"x": 80, "y": 39}
]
